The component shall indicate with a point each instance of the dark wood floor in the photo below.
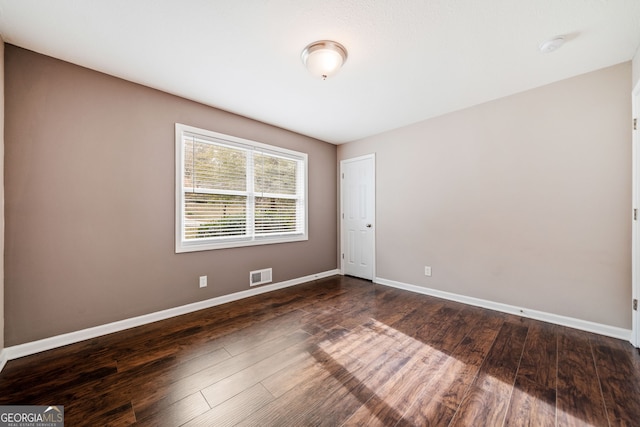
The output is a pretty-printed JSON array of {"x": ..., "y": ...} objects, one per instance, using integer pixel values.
[{"x": 338, "y": 351}]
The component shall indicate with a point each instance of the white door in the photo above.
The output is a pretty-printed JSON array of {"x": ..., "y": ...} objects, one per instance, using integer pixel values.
[
  {"x": 358, "y": 216},
  {"x": 635, "y": 275}
]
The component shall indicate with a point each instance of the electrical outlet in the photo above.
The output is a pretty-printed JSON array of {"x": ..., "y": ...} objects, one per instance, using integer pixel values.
[
  {"x": 203, "y": 281},
  {"x": 427, "y": 271}
]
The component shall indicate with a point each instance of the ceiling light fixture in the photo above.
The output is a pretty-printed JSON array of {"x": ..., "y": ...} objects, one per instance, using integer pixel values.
[
  {"x": 324, "y": 58},
  {"x": 552, "y": 44}
]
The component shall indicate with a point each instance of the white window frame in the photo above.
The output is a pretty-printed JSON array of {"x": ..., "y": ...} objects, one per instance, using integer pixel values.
[{"x": 184, "y": 245}]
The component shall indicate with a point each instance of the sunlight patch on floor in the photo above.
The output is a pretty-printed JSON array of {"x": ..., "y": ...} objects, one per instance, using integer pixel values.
[{"x": 377, "y": 338}]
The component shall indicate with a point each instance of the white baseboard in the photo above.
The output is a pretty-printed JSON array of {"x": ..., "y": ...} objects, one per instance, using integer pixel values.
[
  {"x": 3, "y": 358},
  {"x": 21, "y": 350},
  {"x": 584, "y": 325},
  {"x": 635, "y": 337}
]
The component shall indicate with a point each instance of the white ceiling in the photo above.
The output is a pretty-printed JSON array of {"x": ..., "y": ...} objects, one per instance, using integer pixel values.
[{"x": 409, "y": 60}]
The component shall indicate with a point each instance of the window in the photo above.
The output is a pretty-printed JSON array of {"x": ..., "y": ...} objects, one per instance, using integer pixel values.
[{"x": 234, "y": 192}]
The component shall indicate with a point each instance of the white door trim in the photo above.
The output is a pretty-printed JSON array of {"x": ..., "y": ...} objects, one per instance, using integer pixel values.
[
  {"x": 635, "y": 229},
  {"x": 342, "y": 232}
]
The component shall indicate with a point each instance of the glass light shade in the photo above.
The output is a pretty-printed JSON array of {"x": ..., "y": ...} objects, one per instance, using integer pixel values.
[{"x": 324, "y": 58}]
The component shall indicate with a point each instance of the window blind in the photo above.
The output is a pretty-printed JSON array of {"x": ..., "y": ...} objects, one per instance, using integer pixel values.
[
  {"x": 238, "y": 192},
  {"x": 276, "y": 204},
  {"x": 215, "y": 190}
]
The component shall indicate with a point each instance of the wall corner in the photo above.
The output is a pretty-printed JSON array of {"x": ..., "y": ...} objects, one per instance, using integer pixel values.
[{"x": 1, "y": 200}]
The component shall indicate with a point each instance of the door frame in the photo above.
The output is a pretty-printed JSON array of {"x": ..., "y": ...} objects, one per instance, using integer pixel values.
[
  {"x": 635, "y": 228},
  {"x": 371, "y": 156}
]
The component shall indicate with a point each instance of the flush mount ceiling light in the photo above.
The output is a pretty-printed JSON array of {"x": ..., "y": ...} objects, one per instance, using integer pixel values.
[
  {"x": 552, "y": 44},
  {"x": 324, "y": 58}
]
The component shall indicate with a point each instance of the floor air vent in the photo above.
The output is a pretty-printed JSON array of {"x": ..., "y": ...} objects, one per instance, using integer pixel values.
[{"x": 260, "y": 277}]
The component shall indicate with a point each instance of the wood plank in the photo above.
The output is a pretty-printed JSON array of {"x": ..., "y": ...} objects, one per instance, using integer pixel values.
[
  {"x": 616, "y": 364},
  {"x": 533, "y": 402},
  {"x": 445, "y": 329},
  {"x": 438, "y": 404},
  {"x": 32, "y": 388},
  {"x": 120, "y": 416},
  {"x": 531, "y": 405},
  {"x": 293, "y": 375},
  {"x": 360, "y": 342},
  {"x": 156, "y": 398},
  {"x": 390, "y": 402},
  {"x": 540, "y": 356},
  {"x": 301, "y": 370},
  {"x": 236, "y": 383},
  {"x": 256, "y": 335},
  {"x": 579, "y": 399},
  {"x": 116, "y": 390},
  {"x": 487, "y": 401},
  {"x": 358, "y": 389},
  {"x": 423, "y": 314},
  {"x": 178, "y": 413},
  {"x": 390, "y": 305},
  {"x": 394, "y": 399},
  {"x": 234, "y": 410},
  {"x": 339, "y": 383},
  {"x": 292, "y": 406}
]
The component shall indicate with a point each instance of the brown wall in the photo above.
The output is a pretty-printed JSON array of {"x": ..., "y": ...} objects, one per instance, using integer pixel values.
[
  {"x": 90, "y": 202},
  {"x": 525, "y": 200},
  {"x": 1, "y": 195}
]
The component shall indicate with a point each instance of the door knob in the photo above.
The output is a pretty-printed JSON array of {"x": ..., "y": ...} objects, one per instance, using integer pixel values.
[{"x": 368, "y": 225}]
